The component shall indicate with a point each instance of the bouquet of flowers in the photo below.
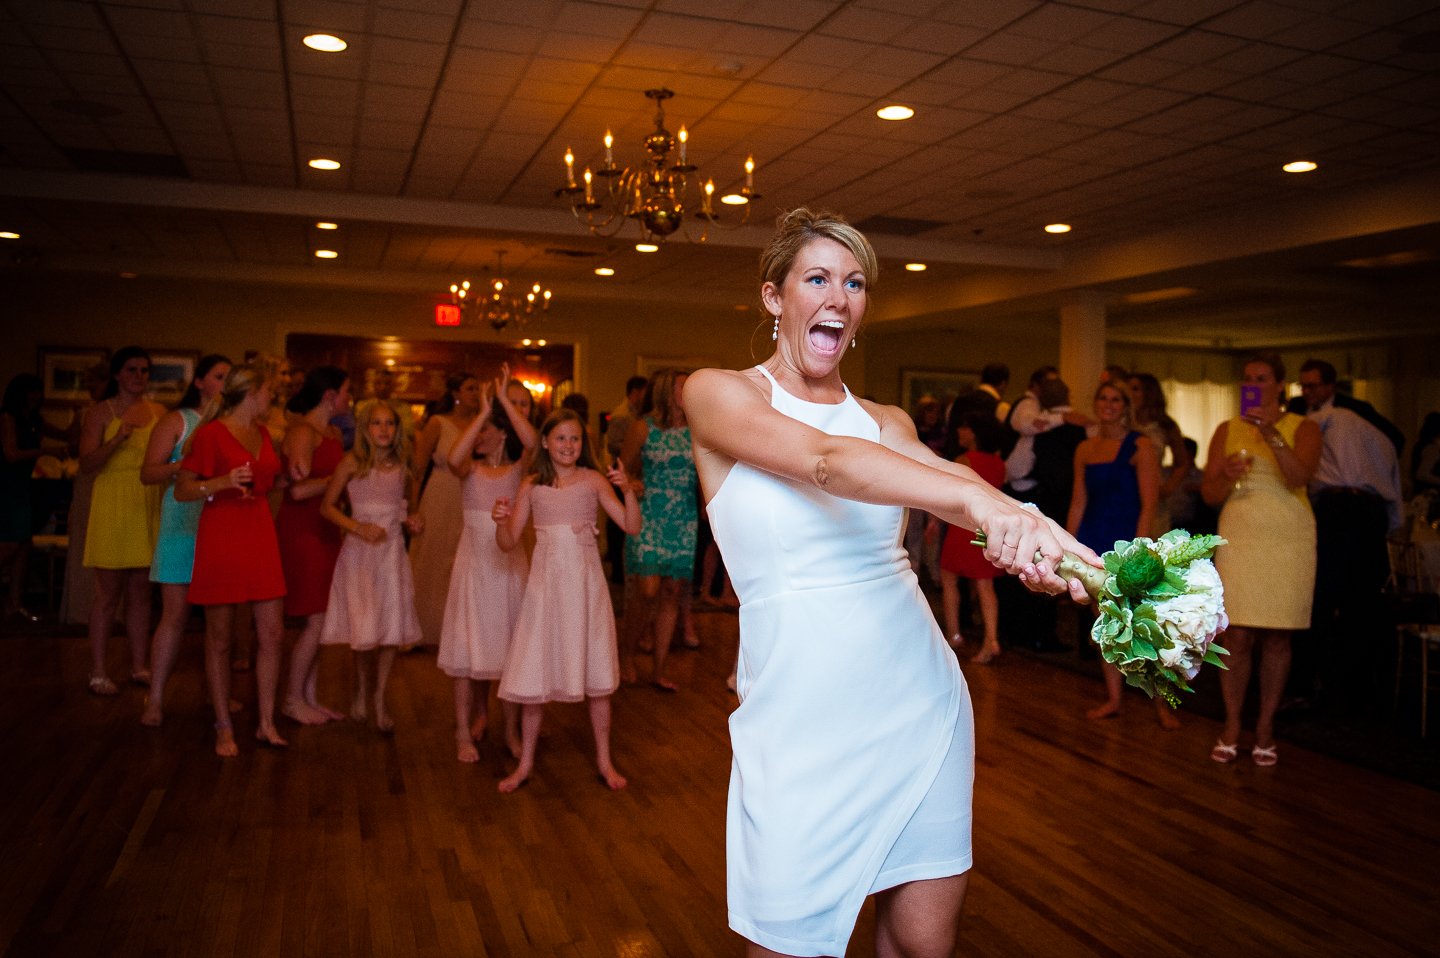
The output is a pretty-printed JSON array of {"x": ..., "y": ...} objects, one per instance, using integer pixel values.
[{"x": 1161, "y": 604}]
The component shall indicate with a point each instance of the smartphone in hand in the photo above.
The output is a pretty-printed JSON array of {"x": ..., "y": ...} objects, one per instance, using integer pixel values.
[{"x": 1249, "y": 401}]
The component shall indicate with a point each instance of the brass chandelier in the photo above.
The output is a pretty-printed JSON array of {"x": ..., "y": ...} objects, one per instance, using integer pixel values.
[
  {"x": 654, "y": 194},
  {"x": 501, "y": 303}
]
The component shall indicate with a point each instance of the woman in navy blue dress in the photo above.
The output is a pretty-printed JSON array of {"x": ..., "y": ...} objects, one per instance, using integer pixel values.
[{"x": 1117, "y": 485}]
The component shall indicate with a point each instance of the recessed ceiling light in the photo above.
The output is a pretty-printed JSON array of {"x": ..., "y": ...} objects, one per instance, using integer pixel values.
[
  {"x": 896, "y": 112},
  {"x": 9, "y": 235},
  {"x": 1299, "y": 166},
  {"x": 326, "y": 253},
  {"x": 604, "y": 271},
  {"x": 1058, "y": 228},
  {"x": 646, "y": 248},
  {"x": 539, "y": 342},
  {"x": 327, "y": 226},
  {"x": 325, "y": 164},
  {"x": 734, "y": 199},
  {"x": 325, "y": 43},
  {"x": 915, "y": 267}
]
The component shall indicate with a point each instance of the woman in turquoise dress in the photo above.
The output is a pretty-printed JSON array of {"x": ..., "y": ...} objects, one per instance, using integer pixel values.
[
  {"x": 175, "y": 547},
  {"x": 662, "y": 556}
]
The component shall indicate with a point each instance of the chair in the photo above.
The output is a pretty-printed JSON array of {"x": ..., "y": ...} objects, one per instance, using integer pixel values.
[{"x": 1415, "y": 603}]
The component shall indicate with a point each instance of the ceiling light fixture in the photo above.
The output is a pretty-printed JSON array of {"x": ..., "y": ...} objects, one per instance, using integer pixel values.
[
  {"x": 895, "y": 112},
  {"x": 9, "y": 235},
  {"x": 1299, "y": 166},
  {"x": 915, "y": 267},
  {"x": 646, "y": 248},
  {"x": 502, "y": 306},
  {"x": 327, "y": 226},
  {"x": 325, "y": 43},
  {"x": 323, "y": 164},
  {"x": 653, "y": 193},
  {"x": 734, "y": 199},
  {"x": 326, "y": 253},
  {"x": 604, "y": 271},
  {"x": 1058, "y": 228}
]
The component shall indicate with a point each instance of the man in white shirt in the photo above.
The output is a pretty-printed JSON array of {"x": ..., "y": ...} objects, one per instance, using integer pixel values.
[{"x": 1357, "y": 500}]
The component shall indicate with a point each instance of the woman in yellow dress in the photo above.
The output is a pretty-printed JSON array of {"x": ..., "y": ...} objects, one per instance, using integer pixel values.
[
  {"x": 124, "y": 512},
  {"x": 1258, "y": 466}
]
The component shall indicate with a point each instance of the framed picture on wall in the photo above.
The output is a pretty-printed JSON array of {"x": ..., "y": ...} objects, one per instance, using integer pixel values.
[
  {"x": 170, "y": 372},
  {"x": 62, "y": 369},
  {"x": 943, "y": 384}
]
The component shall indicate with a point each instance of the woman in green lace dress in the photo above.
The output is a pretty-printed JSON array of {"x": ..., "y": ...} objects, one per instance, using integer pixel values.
[{"x": 657, "y": 449}]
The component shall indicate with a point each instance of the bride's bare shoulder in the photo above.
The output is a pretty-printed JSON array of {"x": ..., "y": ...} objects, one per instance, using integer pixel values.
[{"x": 726, "y": 386}]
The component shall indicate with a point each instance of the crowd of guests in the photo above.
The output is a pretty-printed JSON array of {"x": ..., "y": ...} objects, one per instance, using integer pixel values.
[
  {"x": 1305, "y": 494},
  {"x": 269, "y": 494}
]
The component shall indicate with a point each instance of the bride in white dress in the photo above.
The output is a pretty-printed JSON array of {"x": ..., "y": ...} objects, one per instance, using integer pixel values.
[{"x": 853, "y": 743}]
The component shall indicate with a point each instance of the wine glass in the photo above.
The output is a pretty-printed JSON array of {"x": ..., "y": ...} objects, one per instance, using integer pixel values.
[
  {"x": 247, "y": 484},
  {"x": 1248, "y": 457}
]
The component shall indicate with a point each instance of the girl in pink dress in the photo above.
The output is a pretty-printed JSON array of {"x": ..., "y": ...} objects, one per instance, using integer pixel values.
[
  {"x": 372, "y": 594},
  {"x": 564, "y": 644},
  {"x": 487, "y": 584}
]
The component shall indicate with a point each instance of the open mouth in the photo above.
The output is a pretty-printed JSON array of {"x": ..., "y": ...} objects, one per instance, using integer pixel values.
[{"x": 827, "y": 336}]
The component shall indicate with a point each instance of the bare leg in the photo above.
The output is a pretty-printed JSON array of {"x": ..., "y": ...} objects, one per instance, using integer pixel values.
[
  {"x": 137, "y": 622},
  {"x": 918, "y": 919},
  {"x": 1234, "y": 681},
  {"x": 1166, "y": 714},
  {"x": 269, "y": 626},
  {"x": 1114, "y": 687},
  {"x": 950, "y": 600},
  {"x": 243, "y": 639},
  {"x": 219, "y": 621},
  {"x": 108, "y": 583},
  {"x": 637, "y": 621},
  {"x": 990, "y": 615},
  {"x": 511, "y": 711},
  {"x": 667, "y": 609},
  {"x": 708, "y": 564},
  {"x": 384, "y": 661},
  {"x": 174, "y": 611},
  {"x": 465, "y": 749},
  {"x": 686, "y": 623},
  {"x": 1274, "y": 671},
  {"x": 302, "y": 666},
  {"x": 480, "y": 716},
  {"x": 600, "y": 725},
  {"x": 360, "y": 704},
  {"x": 530, "y": 716}
]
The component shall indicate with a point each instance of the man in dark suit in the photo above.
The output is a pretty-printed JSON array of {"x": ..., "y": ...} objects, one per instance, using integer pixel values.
[
  {"x": 986, "y": 398},
  {"x": 1317, "y": 385}
]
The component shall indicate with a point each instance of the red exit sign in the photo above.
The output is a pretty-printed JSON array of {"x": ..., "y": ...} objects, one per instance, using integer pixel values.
[{"x": 447, "y": 315}]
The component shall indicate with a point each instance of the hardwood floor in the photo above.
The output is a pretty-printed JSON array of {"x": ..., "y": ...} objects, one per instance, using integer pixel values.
[{"x": 1112, "y": 838}]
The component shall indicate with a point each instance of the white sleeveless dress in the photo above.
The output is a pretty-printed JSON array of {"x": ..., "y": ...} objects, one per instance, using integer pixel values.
[{"x": 854, "y": 740}]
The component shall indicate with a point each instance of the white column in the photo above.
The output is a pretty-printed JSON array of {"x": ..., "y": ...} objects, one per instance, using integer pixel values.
[{"x": 1082, "y": 345}]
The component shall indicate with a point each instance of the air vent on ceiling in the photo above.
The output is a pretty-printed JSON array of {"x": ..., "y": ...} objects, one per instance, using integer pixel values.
[
  {"x": 897, "y": 225},
  {"x": 121, "y": 161},
  {"x": 571, "y": 253}
]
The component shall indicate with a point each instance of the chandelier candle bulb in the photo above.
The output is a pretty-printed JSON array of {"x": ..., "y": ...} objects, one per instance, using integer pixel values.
[
  {"x": 609, "y": 155},
  {"x": 589, "y": 198},
  {"x": 570, "y": 166},
  {"x": 750, "y": 172},
  {"x": 684, "y": 136}
]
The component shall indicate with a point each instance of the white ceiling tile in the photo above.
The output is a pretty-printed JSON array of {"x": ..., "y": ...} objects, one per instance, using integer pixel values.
[
  {"x": 755, "y": 42},
  {"x": 829, "y": 50},
  {"x": 383, "y": 101},
  {"x": 1077, "y": 60},
  {"x": 1199, "y": 80},
  {"x": 575, "y": 46},
  {"x": 862, "y": 84},
  {"x": 410, "y": 25},
  {"x": 1321, "y": 33},
  {"x": 851, "y": 22},
  {"x": 511, "y": 38},
  {"x": 790, "y": 15},
  {"x": 946, "y": 39},
  {"x": 1256, "y": 58},
  {"x": 533, "y": 13},
  {"x": 1060, "y": 23},
  {"x": 409, "y": 52},
  {"x": 92, "y": 63},
  {"x": 1369, "y": 79},
  {"x": 1142, "y": 70},
  {"x": 403, "y": 74},
  {"x": 330, "y": 131},
  {"x": 446, "y": 7},
  {"x": 1049, "y": 108},
  {"x": 967, "y": 73},
  {"x": 668, "y": 29},
  {"x": 77, "y": 41},
  {"x": 896, "y": 62},
  {"x": 1257, "y": 19},
  {"x": 329, "y": 15},
  {"x": 57, "y": 13},
  {"x": 989, "y": 101},
  {"x": 991, "y": 15},
  {"x": 243, "y": 87},
  {"x": 649, "y": 56},
  {"x": 244, "y": 57},
  {"x": 466, "y": 63},
  {"x": 599, "y": 20},
  {"x": 1011, "y": 49}
]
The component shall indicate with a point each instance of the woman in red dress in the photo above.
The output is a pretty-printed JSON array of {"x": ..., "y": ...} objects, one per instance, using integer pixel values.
[
  {"x": 309, "y": 545},
  {"x": 979, "y": 436},
  {"x": 232, "y": 465}
]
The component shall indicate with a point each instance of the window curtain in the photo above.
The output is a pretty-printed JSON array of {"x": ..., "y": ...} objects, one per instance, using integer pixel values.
[{"x": 1199, "y": 408}]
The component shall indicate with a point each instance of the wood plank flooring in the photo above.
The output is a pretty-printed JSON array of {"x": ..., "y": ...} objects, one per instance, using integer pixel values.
[{"x": 1091, "y": 839}]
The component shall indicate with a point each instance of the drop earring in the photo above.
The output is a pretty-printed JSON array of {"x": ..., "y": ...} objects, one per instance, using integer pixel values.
[
  {"x": 775, "y": 333},
  {"x": 852, "y": 342}
]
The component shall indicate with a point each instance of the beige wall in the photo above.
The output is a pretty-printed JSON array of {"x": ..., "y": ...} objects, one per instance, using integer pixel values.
[
  {"x": 1022, "y": 348},
  {"x": 55, "y": 309}
]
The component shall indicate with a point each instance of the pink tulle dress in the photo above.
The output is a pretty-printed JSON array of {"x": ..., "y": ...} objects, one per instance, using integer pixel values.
[
  {"x": 372, "y": 594},
  {"x": 486, "y": 585},
  {"x": 564, "y": 644}
]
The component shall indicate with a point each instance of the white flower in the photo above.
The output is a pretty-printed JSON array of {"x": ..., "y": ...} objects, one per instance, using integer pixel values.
[
  {"x": 1202, "y": 577},
  {"x": 1192, "y": 619},
  {"x": 1178, "y": 659}
]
